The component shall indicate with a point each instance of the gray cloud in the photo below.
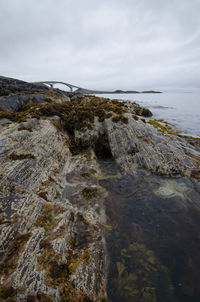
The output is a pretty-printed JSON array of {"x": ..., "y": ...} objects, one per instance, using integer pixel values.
[{"x": 105, "y": 44}]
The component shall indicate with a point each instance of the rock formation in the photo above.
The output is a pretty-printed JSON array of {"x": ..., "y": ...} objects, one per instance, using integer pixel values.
[{"x": 96, "y": 202}]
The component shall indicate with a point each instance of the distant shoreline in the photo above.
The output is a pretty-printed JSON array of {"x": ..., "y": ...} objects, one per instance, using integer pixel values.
[{"x": 88, "y": 91}]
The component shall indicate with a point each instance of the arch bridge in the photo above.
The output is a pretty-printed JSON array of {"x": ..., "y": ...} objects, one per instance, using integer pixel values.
[{"x": 52, "y": 83}]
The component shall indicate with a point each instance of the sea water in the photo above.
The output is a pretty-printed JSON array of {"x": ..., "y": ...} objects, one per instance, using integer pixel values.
[{"x": 180, "y": 109}]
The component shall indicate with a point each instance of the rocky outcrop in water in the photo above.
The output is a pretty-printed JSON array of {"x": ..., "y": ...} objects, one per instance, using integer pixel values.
[{"x": 90, "y": 192}]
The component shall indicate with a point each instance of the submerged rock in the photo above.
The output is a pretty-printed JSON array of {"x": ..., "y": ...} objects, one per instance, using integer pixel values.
[{"x": 86, "y": 182}]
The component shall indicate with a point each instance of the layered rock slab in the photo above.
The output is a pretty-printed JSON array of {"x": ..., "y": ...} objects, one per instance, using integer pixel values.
[{"x": 63, "y": 254}]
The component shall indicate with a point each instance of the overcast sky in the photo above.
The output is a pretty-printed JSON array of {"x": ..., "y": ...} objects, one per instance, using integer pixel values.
[{"x": 102, "y": 44}]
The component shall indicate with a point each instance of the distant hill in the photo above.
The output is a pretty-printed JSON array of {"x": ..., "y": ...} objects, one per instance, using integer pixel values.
[
  {"x": 151, "y": 91},
  {"x": 90, "y": 91}
]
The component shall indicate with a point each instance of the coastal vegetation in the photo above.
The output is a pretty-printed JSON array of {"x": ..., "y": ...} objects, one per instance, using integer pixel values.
[{"x": 163, "y": 126}]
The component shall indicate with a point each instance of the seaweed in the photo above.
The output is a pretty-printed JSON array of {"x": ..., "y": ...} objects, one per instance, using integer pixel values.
[{"x": 139, "y": 272}]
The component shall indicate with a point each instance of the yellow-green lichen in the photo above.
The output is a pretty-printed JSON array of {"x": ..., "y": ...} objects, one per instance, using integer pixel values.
[{"x": 165, "y": 129}]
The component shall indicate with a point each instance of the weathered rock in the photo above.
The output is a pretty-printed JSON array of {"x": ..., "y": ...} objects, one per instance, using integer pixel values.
[
  {"x": 15, "y": 93},
  {"x": 138, "y": 145},
  {"x": 10, "y": 85},
  {"x": 13, "y": 102},
  {"x": 31, "y": 190},
  {"x": 76, "y": 187}
]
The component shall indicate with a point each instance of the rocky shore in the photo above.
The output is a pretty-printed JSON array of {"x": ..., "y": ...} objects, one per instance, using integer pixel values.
[{"x": 97, "y": 202}]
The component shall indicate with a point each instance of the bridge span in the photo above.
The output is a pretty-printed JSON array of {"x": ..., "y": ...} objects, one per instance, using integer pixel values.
[{"x": 52, "y": 83}]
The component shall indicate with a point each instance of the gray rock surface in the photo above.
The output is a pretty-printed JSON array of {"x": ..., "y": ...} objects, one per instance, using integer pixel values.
[
  {"x": 32, "y": 187},
  {"x": 53, "y": 220},
  {"x": 139, "y": 145},
  {"x": 10, "y": 85},
  {"x": 15, "y": 93}
]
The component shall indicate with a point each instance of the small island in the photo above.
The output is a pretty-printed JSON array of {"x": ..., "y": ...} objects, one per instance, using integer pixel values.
[{"x": 90, "y": 91}]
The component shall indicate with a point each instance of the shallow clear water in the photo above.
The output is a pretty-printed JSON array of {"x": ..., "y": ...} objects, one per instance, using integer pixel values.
[
  {"x": 153, "y": 241},
  {"x": 180, "y": 109}
]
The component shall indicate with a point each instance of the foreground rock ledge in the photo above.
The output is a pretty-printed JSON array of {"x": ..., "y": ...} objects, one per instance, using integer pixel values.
[{"x": 54, "y": 217}]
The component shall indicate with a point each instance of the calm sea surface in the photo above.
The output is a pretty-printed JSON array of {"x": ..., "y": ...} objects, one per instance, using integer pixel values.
[{"x": 180, "y": 109}]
